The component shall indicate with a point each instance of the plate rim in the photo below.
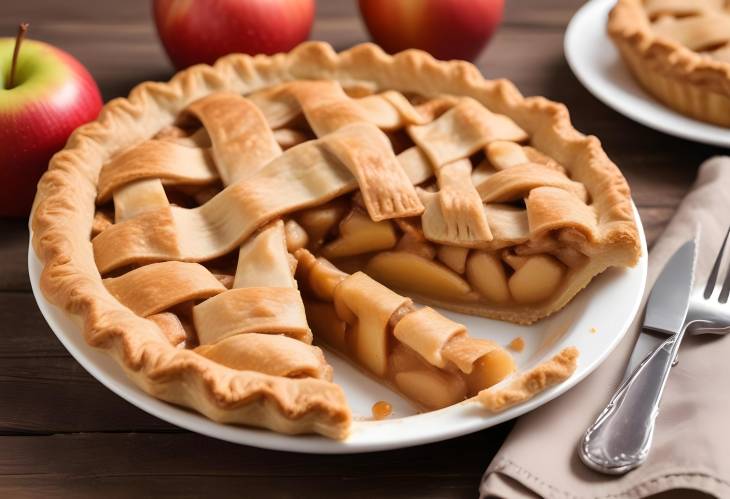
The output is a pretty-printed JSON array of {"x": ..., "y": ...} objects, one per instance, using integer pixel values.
[
  {"x": 315, "y": 444},
  {"x": 693, "y": 130}
]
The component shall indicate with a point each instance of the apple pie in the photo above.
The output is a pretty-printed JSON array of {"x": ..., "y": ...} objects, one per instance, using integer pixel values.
[
  {"x": 679, "y": 50},
  {"x": 209, "y": 229}
]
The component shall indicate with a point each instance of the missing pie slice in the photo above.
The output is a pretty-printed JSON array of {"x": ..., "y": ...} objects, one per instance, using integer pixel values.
[
  {"x": 209, "y": 229},
  {"x": 426, "y": 356}
]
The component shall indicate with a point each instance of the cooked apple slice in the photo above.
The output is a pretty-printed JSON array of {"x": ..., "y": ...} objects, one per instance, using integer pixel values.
[
  {"x": 319, "y": 221},
  {"x": 409, "y": 271},
  {"x": 403, "y": 359},
  {"x": 317, "y": 276},
  {"x": 454, "y": 257},
  {"x": 413, "y": 239},
  {"x": 483, "y": 362},
  {"x": 489, "y": 370},
  {"x": 529, "y": 383},
  {"x": 430, "y": 388},
  {"x": 413, "y": 243},
  {"x": 537, "y": 279},
  {"x": 359, "y": 234},
  {"x": 486, "y": 273},
  {"x": 325, "y": 323}
]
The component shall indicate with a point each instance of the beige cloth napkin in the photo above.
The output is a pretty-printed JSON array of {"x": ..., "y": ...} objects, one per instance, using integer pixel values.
[{"x": 691, "y": 448}]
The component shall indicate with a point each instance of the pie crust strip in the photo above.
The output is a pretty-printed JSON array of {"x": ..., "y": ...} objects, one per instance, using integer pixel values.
[
  {"x": 455, "y": 215},
  {"x": 252, "y": 310},
  {"x": 303, "y": 176},
  {"x": 266, "y": 301},
  {"x": 462, "y": 131},
  {"x": 387, "y": 190},
  {"x": 529, "y": 383},
  {"x": 167, "y": 161},
  {"x": 157, "y": 287},
  {"x": 517, "y": 181},
  {"x": 271, "y": 354},
  {"x": 138, "y": 197},
  {"x": 550, "y": 208},
  {"x": 242, "y": 141}
]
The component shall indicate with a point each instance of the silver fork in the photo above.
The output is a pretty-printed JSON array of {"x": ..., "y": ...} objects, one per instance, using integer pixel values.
[{"x": 708, "y": 311}]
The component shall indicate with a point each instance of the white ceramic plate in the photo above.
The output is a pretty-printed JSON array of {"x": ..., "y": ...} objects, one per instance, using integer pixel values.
[
  {"x": 594, "y": 322},
  {"x": 597, "y": 64}
]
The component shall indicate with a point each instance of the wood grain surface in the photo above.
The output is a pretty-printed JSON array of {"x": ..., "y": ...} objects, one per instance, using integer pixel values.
[{"x": 63, "y": 434}]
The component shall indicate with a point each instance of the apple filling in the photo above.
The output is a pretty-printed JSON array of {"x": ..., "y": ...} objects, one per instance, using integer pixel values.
[
  {"x": 399, "y": 255},
  {"x": 429, "y": 358}
]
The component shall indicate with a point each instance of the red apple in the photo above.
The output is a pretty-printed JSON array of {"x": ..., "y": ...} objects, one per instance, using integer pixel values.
[
  {"x": 51, "y": 95},
  {"x": 195, "y": 31},
  {"x": 447, "y": 29}
]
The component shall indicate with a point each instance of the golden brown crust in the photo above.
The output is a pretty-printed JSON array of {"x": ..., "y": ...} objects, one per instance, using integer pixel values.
[
  {"x": 154, "y": 288},
  {"x": 65, "y": 204},
  {"x": 526, "y": 385},
  {"x": 158, "y": 159},
  {"x": 693, "y": 84}
]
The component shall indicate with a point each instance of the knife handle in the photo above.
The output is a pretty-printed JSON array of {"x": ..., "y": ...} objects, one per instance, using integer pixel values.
[{"x": 620, "y": 438}]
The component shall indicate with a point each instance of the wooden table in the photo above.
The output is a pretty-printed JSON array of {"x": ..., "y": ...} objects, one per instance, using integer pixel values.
[{"x": 63, "y": 433}]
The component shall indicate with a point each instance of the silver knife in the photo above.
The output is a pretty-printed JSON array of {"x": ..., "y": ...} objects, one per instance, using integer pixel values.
[{"x": 620, "y": 438}]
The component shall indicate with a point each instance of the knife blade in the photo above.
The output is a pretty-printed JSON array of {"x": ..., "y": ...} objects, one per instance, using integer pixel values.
[{"x": 666, "y": 308}]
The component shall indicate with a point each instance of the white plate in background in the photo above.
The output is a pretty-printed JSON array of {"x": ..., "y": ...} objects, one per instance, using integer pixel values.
[{"x": 597, "y": 64}]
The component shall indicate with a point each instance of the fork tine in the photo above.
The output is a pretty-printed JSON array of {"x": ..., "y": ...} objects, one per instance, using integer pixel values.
[
  {"x": 725, "y": 285},
  {"x": 712, "y": 280}
]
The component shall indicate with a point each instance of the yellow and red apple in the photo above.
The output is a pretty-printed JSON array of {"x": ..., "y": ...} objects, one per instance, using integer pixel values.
[
  {"x": 447, "y": 29},
  {"x": 51, "y": 95},
  {"x": 201, "y": 31}
]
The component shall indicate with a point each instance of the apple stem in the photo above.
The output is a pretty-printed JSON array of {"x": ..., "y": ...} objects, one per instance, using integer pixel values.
[{"x": 22, "y": 30}]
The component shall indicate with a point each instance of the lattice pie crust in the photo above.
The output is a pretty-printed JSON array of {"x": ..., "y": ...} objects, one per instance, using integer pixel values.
[{"x": 207, "y": 229}]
